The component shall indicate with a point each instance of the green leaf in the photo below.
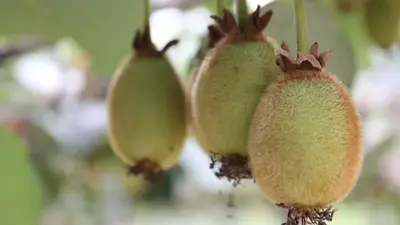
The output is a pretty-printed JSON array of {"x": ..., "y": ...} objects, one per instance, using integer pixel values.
[
  {"x": 43, "y": 149},
  {"x": 21, "y": 197},
  {"x": 104, "y": 28}
]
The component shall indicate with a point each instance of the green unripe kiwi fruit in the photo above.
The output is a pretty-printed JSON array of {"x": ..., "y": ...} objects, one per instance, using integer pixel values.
[
  {"x": 382, "y": 18},
  {"x": 209, "y": 42},
  {"x": 227, "y": 88},
  {"x": 146, "y": 110},
  {"x": 305, "y": 137}
]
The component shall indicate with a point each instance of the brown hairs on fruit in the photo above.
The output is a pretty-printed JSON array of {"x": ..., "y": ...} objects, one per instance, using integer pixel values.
[
  {"x": 227, "y": 88},
  {"x": 305, "y": 138}
]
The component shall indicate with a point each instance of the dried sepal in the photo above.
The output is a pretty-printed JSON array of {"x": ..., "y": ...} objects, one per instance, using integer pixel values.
[
  {"x": 257, "y": 23},
  {"x": 169, "y": 45},
  {"x": 227, "y": 25},
  {"x": 150, "y": 170},
  {"x": 307, "y": 216},
  {"x": 215, "y": 34},
  {"x": 234, "y": 167},
  {"x": 144, "y": 47},
  {"x": 304, "y": 61}
]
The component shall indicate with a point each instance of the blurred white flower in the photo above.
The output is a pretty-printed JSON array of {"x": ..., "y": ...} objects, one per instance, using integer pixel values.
[
  {"x": 49, "y": 73},
  {"x": 79, "y": 125},
  {"x": 390, "y": 168},
  {"x": 187, "y": 26},
  {"x": 166, "y": 24},
  {"x": 39, "y": 73},
  {"x": 377, "y": 86},
  {"x": 196, "y": 163},
  {"x": 254, "y": 3},
  {"x": 196, "y": 21},
  {"x": 375, "y": 92}
]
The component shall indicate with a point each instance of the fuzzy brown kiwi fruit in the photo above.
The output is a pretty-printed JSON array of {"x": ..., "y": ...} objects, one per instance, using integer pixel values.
[
  {"x": 227, "y": 88},
  {"x": 146, "y": 110},
  {"x": 305, "y": 138},
  {"x": 382, "y": 18}
]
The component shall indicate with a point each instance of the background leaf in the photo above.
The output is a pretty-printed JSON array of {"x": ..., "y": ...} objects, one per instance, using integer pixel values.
[
  {"x": 104, "y": 28},
  {"x": 21, "y": 198}
]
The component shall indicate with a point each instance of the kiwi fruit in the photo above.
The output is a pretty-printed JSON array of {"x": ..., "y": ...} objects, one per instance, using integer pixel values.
[
  {"x": 195, "y": 65},
  {"x": 305, "y": 138},
  {"x": 227, "y": 88},
  {"x": 147, "y": 116},
  {"x": 382, "y": 19}
]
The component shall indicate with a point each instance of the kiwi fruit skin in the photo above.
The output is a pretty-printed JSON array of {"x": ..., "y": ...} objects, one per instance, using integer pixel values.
[
  {"x": 382, "y": 18},
  {"x": 304, "y": 142},
  {"x": 209, "y": 42},
  {"x": 195, "y": 71},
  {"x": 230, "y": 82},
  {"x": 146, "y": 109}
]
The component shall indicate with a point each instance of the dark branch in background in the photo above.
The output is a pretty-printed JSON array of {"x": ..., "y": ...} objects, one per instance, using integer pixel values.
[{"x": 22, "y": 46}]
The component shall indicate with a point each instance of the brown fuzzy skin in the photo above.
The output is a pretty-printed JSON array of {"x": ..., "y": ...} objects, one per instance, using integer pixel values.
[
  {"x": 227, "y": 88},
  {"x": 305, "y": 138}
]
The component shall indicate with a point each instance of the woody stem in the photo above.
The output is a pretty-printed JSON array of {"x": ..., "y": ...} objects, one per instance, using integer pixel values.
[{"x": 301, "y": 26}]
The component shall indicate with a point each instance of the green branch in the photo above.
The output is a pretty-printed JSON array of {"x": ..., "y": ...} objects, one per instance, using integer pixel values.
[
  {"x": 220, "y": 6},
  {"x": 147, "y": 12},
  {"x": 242, "y": 13},
  {"x": 301, "y": 26}
]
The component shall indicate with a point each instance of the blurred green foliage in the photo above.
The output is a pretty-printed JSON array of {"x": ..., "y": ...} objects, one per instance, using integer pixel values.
[
  {"x": 212, "y": 5},
  {"x": 104, "y": 28},
  {"x": 21, "y": 197},
  {"x": 322, "y": 27},
  {"x": 42, "y": 151},
  {"x": 382, "y": 18}
]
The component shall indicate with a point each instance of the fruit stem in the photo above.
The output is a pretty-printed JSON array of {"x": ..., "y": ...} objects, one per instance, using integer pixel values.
[
  {"x": 301, "y": 26},
  {"x": 147, "y": 11},
  {"x": 220, "y": 6},
  {"x": 242, "y": 13}
]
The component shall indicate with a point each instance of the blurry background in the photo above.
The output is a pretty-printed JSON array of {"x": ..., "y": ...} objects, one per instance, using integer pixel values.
[{"x": 56, "y": 60}]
